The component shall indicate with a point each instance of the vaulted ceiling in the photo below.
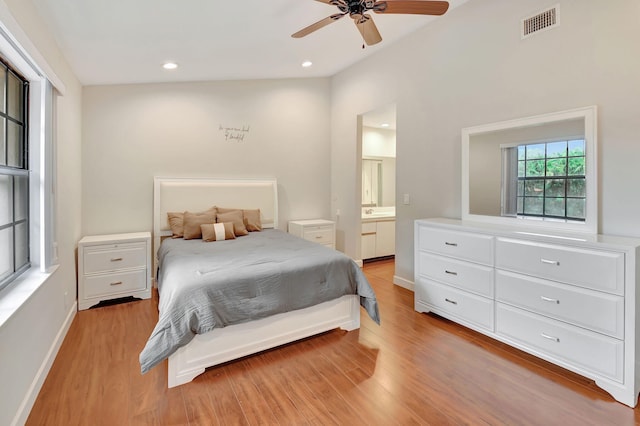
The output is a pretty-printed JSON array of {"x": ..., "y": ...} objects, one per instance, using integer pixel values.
[{"x": 128, "y": 41}]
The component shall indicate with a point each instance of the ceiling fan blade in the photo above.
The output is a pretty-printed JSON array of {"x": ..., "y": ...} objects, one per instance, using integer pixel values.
[
  {"x": 321, "y": 23},
  {"x": 368, "y": 29},
  {"x": 416, "y": 7}
]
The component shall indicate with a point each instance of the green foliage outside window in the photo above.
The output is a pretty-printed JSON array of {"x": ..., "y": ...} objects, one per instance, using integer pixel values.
[{"x": 551, "y": 179}]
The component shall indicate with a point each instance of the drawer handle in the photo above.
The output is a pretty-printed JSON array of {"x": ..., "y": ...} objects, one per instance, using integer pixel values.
[
  {"x": 546, "y": 336},
  {"x": 450, "y": 244},
  {"x": 116, "y": 259},
  {"x": 550, "y": 262},
  {"x": 453, "y": 302},
  {"x": 116, "y": 283},
  {"x": 450, "y": 272},
  {"x": 548, "y": 299},
  {"x": 318, "y": 237}
]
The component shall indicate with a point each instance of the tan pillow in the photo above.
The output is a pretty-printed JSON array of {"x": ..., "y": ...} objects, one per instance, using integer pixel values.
[
  {"x": 192, "y": 222},
  {"x": 250, "y": 218},
  {"x": 217, "y": 231},
  {"x": 175, "y": 223},
  {"x": 234, "y": 216}
]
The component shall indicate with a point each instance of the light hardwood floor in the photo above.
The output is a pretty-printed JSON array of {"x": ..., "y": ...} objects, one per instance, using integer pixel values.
[{"x": 413, "y": 369}]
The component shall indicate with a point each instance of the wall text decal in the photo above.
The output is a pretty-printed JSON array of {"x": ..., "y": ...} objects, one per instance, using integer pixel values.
[{"x": 234, "y": 134}]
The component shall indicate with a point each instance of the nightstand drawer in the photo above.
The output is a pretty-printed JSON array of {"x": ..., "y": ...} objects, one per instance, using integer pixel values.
[
  {"x": 113, "y": 284},
  {"x": 321, "y": 234},
  {"x": 115, "y": 257},
  {"x": 319, "y": 231}
]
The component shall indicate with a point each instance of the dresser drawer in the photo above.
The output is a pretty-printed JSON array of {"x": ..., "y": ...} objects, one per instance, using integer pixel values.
[
  {"x": 114, "y": 284},
  {"x": 466, "y": 307},
  {"x": 571, "y": 345},
  {"x": 464, "y": 275},
  {"x": 319, "y": 234},
  {"x": 599, "y": 270},
  {"x": 473, "y": 247},
  {"x": 113, "y": 257},
  {"x": 594, "y": 310}
]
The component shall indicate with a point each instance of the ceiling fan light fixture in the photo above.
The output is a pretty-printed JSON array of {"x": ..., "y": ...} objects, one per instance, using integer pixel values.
[
  {"x": 307, "y": 64},
  {"x": 170, "y": 66}
]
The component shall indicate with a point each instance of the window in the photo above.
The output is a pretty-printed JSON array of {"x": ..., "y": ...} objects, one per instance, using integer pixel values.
[
  {"x": 545, "y": 180},
  {"x": 14, "y": 175}
]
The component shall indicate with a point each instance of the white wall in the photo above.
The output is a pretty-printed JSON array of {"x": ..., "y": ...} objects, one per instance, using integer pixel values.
[
  {"x": 132, "y": 133},
  {"x": 470, "y": 67},
  {"x": 28, "y": 340}
]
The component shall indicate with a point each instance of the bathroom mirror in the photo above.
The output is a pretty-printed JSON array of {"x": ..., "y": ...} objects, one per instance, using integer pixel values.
[
  {"x": 538, "y": 171},
  {"x": 371, "y": 182}
]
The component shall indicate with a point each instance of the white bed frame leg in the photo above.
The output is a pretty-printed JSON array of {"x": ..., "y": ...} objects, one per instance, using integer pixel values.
[{"x": 178, "y": 373}]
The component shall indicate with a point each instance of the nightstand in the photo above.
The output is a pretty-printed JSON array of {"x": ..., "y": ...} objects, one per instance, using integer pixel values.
[
  {"x": 113, "y": 266},
  {"x": 320, "y": 231}
]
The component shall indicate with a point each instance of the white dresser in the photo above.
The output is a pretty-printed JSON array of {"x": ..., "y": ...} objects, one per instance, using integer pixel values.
[
  {"x": 319, "y": 231},
  {"x": 567, "y": 298},
  {"x": 113, "y": 266}
]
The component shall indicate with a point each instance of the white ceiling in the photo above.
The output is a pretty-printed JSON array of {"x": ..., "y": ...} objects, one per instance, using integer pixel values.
[
  {"x": 127, "y": 41},
  {"x": 383, "y": 115}
]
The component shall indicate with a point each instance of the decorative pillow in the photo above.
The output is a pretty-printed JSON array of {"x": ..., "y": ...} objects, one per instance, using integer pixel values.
[
  {"x": 217, "y": 231},
  {"x": 250, "y": 218},
  {"x": 192, "y": 222},
  {"x": 234, "y": 216},
  {"x": 175, "y": 223}
]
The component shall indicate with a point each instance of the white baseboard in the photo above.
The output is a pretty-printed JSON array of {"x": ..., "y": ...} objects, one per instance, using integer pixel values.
[
  {"x": 43, "y": 371},
  {"x": 409, "y": 285},
  {"x": 359, "y": 262}
]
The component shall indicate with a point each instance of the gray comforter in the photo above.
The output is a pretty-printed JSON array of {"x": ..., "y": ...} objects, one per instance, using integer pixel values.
[{"x": 203, "y": 286}]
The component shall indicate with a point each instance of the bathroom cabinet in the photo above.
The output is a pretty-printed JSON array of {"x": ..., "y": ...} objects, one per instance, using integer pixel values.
[{"x": 378, "y": 238}]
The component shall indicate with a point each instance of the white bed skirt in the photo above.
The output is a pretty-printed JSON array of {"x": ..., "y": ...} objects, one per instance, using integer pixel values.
[{"x": 233, "y": 342}]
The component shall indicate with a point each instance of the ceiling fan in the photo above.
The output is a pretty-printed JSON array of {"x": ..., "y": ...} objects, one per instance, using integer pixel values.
[{"x": 356, "y": 9}]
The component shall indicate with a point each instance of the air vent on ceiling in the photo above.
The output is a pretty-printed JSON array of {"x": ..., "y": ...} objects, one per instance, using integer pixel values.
[{"x": 545, "y": 20}]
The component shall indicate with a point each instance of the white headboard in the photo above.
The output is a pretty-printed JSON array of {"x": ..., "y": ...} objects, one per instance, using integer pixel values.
[{"x": 172, "y": 194}]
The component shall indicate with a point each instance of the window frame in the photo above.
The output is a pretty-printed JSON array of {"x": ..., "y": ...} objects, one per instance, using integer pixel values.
[
  {"x": 16, "y": 170},
  {"x": 44, "y": 87},
  {"x": 511, "y": 170}
]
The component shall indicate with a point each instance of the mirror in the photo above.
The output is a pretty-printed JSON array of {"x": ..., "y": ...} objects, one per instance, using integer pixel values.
[
  {"x": 371, "y": 183},
  {"x": 378, "y": 138},
  {"x": 537, "y": 171}
]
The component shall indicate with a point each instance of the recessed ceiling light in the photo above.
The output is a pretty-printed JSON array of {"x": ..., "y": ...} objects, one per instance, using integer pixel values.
[
  {"x": 384, "y": 125},
  {"x": 307, "y": 64},
  {"x": 170, "y": 66}
]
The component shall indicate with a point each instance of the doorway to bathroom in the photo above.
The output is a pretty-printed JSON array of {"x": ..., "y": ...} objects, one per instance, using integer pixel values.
[{"x": 378, "y": 217}]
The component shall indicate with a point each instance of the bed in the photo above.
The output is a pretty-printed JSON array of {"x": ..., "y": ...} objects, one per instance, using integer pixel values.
[{"x": 224, "y": 300}]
